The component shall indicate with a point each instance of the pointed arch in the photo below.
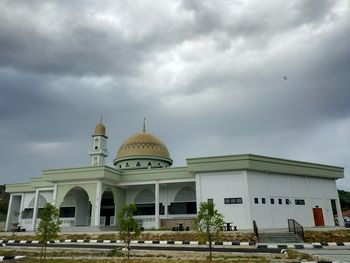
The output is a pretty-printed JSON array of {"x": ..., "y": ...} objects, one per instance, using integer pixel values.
[
  {"x": 185, "y": 194},
  {"x": 145, "y": 196},
  {"x": 41, "y": 202},
  {"x": 75, "y": 208},
  {"x": 107, "y": 208}
]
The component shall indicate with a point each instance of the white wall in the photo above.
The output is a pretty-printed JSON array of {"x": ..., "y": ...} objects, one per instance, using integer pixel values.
[
  {"x": 220, "y": 185},
  {"x": 315, "y": 192}
]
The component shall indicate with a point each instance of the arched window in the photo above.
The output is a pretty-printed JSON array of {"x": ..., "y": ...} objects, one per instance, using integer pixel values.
[
  {"x": 96, "y": 143},
  {"x": 184, "y": 202},
  {"x": 138, "y": 164},
  {"x": 127, "y": 165},
  {"x": 144, "y": 202},
  {"x": 149, "y": 164},
  {"x": 186, "y": 194},
  {"x": 41, "y": 202},
  {"x": 144, "y": 196}
]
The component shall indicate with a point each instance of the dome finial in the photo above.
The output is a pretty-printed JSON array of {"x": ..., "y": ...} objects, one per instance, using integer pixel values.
[
  {"x": 144, "y": 125},
  {"x": 100, "y": 128}
]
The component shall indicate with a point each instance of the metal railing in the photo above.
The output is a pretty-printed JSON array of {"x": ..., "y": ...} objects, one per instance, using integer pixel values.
[
  {"x": 296, "y": 228},
  {"x": 256, "y": 230}
]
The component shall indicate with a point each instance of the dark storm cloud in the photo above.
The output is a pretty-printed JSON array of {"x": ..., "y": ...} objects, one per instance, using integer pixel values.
[
  {"x": 207, "y": 75},
  {"x": 72, "y": 44}
]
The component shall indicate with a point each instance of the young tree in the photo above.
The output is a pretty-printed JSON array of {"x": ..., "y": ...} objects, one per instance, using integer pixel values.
[
  {"x": 208, "y": 224},
  {"x": 128, "y": 226},
  {"x": 48, "y": 227}
]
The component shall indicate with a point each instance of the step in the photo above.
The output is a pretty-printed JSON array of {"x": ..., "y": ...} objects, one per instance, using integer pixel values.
[{"x": 279, "y": 238}]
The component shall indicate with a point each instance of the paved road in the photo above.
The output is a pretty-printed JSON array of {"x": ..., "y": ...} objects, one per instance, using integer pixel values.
[
  {"x": 332, "y": 254},
  {"x": 155, "y": 247}
]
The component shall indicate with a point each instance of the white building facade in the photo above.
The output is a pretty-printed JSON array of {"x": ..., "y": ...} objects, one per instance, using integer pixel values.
[{"x": 243, "y": 187}]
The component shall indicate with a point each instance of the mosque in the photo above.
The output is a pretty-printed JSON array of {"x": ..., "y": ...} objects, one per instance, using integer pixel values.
[{"x": 244, "y": 188}]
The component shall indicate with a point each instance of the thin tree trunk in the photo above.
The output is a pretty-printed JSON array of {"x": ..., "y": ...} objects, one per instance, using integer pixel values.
[
  {"x": 42, "y": 252},
  {"x": 210, "y": 248},
  {"x": 45, "y": 251},
  {"x": 128, "y": 245}
]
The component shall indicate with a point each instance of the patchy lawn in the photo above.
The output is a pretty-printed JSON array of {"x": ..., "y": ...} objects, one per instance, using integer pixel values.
[
  {"x": 89, "y": 256},
  {"x": 342, "y": 235},
  {"x": 327, "y": 236}
]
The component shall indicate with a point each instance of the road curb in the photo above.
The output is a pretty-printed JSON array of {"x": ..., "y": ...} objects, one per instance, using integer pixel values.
[
  {"x": 4, "y": 258},
  {"x": 147, "y": 242},
  {"x": 315, "y": 245}
]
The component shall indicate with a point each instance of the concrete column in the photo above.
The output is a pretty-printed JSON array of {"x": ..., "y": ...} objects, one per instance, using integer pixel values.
[
  {"x": 198, "y": 192},
  {"x": 35, "y": 212},
  {"x": 9, "y": 215},
  {"x": 156, "y": 218},
  {"x": 21, "y": 209},
  {"x": 340, "y": 216},
  {"x": 54, "y": 194},
  {"x": 98, "y": 203},
  {"x": 166, "y": 201}
]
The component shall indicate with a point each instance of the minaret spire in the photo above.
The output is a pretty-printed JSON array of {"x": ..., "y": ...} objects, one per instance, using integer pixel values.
[
  {"x": 99, "y": 150},
  {"x": 144, "y": 125}
]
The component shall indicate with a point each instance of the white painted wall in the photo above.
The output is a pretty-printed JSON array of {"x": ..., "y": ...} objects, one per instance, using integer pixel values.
[
  {"x": 220, "y": 185},
  {"x": 82, "y": 209},
  {"x": 315, "y": 192}
]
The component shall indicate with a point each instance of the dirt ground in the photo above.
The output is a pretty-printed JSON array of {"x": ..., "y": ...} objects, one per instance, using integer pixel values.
[{"x": 98, "y": 256}]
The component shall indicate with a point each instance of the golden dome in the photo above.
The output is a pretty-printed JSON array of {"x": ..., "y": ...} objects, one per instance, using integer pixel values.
[
  {"x": 143, "y": 144},
  {"x": 100, "y": 128}
]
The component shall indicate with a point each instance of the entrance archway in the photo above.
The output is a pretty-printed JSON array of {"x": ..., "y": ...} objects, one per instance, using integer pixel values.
[
  {"x": 107, "y": 212},
  {"x": 75, "y": 210}
]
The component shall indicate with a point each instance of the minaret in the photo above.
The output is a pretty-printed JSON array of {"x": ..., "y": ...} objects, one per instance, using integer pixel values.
[{"x": 98, "y": 150}]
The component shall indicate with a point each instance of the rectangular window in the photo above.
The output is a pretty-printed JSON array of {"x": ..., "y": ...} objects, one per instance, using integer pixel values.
[
  {"x": 210, "y": 201},
  {"x": 287, "y": 201},
  {"x": 27, "y": 213},
  {"x": 182, "y": 208},
  {"x": 279, "y": 201},
  {"x": 299, "y": 201},
  {"x": 272, "y": 201},
  {"x": 145, "y": 209},
  {"x": 235, "y": 200},
  {"x": 256, "y": 200},
  {"x": 67, "y": 211},
  {"x": 263, "y": 200}
]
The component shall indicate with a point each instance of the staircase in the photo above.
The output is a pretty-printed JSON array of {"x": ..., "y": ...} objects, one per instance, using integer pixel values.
[{"x": 279, "y": 238}]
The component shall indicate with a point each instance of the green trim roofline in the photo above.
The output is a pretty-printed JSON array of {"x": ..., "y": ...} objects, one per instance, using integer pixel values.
[
  {"x": 194, "y": 166},
  {"x": 81, "y": 173},
  {"x": 263, "y": 164}
]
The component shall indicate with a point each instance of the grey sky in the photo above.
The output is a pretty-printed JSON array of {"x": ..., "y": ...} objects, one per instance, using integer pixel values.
[{"x": 207, "y": 75}]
